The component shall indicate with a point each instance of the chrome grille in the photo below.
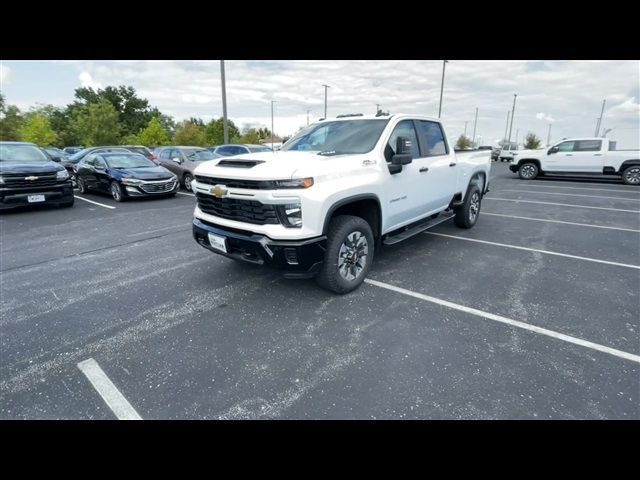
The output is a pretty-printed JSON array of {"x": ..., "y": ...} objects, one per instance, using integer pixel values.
[
  {"x": 158, "y": 187},
  {"x": 13, "y": 180}
]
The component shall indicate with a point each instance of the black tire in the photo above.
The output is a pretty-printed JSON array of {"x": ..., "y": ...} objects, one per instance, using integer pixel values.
[
  {"x": 631, "y": 175},
  {"x": 116, "y": 192},
  {"x": 528, "y": 171},
  {"x": 343, "y": 230},
  {"x": 82, "y": 187},
  {"x": 467, "y": 214},
  {"x": 186, "y": 181}
]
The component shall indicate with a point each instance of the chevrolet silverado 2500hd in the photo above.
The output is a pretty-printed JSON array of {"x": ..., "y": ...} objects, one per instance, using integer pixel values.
[
  {"x": 334, "y": 193},
  {"x": 579, "y": 156}
]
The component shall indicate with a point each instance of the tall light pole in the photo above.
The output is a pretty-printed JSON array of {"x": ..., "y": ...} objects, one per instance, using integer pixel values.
[
  {"x": 325, "y": 99},
  {"x": 513, "y": 111},
  {"x": 474, "y": 126},
  {"x": 465, "y": 129},
  {"x": 506, "y": 127},
  {"x": 272, "y": 102},
  {"x": 600, "y": 119},
  {"x": 225, "y": 127},
  {"x": 444, "y": 63},
  {"x": 549, "y": 136},
  {"x": 517, "y": 131}
]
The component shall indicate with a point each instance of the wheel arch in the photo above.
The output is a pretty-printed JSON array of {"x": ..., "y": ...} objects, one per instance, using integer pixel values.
[
  {"x": 628, "y": 163},
  {"x": 366, "y": 206}
]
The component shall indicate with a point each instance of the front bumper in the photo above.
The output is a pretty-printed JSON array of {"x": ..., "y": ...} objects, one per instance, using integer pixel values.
[
  {"x": 298, "y": 259},
  {"x": 18, "y": 197}
]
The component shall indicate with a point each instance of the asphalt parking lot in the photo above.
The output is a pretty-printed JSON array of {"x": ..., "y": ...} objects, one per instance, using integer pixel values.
[{"x": 111, "y": 310}]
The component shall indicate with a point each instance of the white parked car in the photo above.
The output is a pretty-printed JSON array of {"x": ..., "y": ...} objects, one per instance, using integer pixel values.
[
  {"x": 582, "y": 156},
  {"x": 334, "y": 193},
  {"x": 509, "y": 151}
]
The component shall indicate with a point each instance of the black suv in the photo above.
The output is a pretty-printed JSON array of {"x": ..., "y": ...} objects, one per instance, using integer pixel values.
[{"x": 28, "y": 176}]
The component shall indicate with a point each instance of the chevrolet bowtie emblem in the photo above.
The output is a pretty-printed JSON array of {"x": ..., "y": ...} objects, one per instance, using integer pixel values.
[
  {"x": 219, "y": 191},
  {"x": 31, "y": 178}
]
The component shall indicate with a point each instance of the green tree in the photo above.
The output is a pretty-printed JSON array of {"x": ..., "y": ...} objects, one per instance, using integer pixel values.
[
  {"x": 37, "y": 129},
  {"x": 214, "y": 131},
  {"x": 10, "y": 121},
  {"x": 190, "y": 133},
  {"x": 97, "y": 124},
  {"x": 134, "y": 112},
  {"x": 531, "y": 141},
  {"x": 60, "y": 120},
  {"x": 250, "y": 135},
  {"x": 154, "y": 135},
  {"x": 463, "y": 143}
]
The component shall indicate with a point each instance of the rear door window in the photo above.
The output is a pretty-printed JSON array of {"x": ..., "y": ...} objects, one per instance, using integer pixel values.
[
  {"x": 432, "y": 137},
  {"x": 587, "y": 146}
]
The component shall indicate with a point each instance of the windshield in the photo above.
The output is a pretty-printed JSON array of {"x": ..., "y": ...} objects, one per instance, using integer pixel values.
[
  {"x": 338, "y": 137},
  {"x": 79, "y": 154},
  {"x": 260, "y": 148},
  {"x": 133, "y": 160},
  {"x": 142, "y": 150},
  {"x": 199, "y": 155},
  {"x": 22, "y": 154}
]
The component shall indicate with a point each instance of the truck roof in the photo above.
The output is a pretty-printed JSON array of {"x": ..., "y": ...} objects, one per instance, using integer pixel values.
[{"x": 379, "y": 117}]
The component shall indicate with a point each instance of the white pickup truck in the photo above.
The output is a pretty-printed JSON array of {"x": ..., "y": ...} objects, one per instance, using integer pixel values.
[
  {"x": 334, "y": 193},
  {"x": 579, "y": 156}
]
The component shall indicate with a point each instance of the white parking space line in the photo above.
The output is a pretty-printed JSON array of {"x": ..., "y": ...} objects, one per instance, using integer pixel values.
[
  {"x": 95, "y": 203},
  {"x": 560, "y": 221},
  {"x": 563, "y": 187},
  {"x": 155, "y": 230},
  {"x": 560, "y": 204},
  {"x": 509, "y": 321},
  {"x": 517, "y": 247},
  {"x": 108, "y": 391},
  {"x": 572, "y": 195},
  {"x": 183, "y": 193}
]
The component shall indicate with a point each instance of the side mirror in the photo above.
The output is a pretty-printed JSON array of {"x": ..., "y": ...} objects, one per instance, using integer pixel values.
[
  {"x": 177, "y": 160},
  {"x": 552, "y": 150}
]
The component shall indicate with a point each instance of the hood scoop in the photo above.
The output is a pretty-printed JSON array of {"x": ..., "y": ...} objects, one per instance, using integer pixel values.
[{"x": 239, "y": 163}]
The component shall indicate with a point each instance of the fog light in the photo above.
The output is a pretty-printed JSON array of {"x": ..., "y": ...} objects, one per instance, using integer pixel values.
[{"x": 291, "y": 256}]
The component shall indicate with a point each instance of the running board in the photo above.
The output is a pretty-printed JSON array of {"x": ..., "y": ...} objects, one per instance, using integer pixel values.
[{"x": 419, "y": 228}]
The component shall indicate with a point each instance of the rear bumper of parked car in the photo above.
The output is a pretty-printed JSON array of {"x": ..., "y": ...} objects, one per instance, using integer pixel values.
[
  {"x": 298, "y": 259},
  {"x": 18, "y": 197}
]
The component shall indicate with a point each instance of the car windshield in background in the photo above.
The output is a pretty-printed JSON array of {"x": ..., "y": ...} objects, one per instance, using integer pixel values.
[
  {"x": 259, "y": 149},
  {"x": 133, "y": 160},
  {"x": 21, "y": 154},
  {"x": 339, "y": 137},
  {"x": 141, "y": 150},
  {"x": 79, "y": 154},
  {"x": 55, "y": 151},
  {"x": 199, "y": 155}
]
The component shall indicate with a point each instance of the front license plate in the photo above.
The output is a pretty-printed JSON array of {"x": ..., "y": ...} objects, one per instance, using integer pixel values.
[
  {"x": 218, "y": 242},
  {"x": 35, "y": 198}
]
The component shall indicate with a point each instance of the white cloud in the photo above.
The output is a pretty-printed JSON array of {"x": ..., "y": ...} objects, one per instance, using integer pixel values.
[
  {"x": 545, "y": 117},
  {"x": 5, "y": 74},
  {"x": 86, "y": 80}
]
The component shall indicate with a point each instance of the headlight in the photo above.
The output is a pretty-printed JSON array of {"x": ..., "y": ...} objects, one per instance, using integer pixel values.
[
  {"x": 130, "y": 181},
  {"x": 291, "y": 215},
  {"x": 295, "y": 183},
  {"x": 62, "y": 174}
]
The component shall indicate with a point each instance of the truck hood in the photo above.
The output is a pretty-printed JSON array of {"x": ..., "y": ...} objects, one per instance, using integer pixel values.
[
  {"x": 145, "y": 173},
  {"x": 279, "y": 165},
  {"x": 30, "y": 168}
]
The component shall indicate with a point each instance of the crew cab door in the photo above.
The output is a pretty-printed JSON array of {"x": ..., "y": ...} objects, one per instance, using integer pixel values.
[{"x": 575, "y": 156}]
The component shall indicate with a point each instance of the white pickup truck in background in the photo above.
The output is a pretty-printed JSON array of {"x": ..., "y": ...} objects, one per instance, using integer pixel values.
[
  {"x": 579, "y": 156},
  {"x": 334, "y": 193}
]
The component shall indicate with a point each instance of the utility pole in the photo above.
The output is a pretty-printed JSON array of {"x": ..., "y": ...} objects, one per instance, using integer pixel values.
[
  {"x": 517, "y": 131},
  {"x": 506, "y": 127},
  {"x": 308, "y": 117},
  {"x": 444, "y": 63},
  {"x": 225, "y": 127},
  {"x": 465, "y": 128},
  {"x": 513, "y": 111},
  {"x": 272, "y": 102},
  {"x": 549, "y": 136},
  {"x": 474, "y": 126},
  {"x": 325, "y": 99},
  {"x": 600, "y": 119}
]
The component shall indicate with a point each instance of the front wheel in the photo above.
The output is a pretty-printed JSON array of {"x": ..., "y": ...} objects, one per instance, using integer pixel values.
[
  {"x": 528, "y": 171},
  {"x": 187, "y": 181},
  {"x": 348, "y": 255},
  {"x": 467, "y": 213},
  {"x": 631, "y": 175},
  {"x": 116, "y": 192},
  {"x": 82, "y": 187}
]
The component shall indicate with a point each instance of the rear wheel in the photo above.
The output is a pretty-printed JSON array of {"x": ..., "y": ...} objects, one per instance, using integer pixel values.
[
  {"x": 467, "y": 213},
  {"x": 82, "y": 187},
  {"x": 116, "y": 192},
  {"x": 348, "y": 255},
  {"x": 631, "y": 175},
  {"x": 528, "y": 171}
]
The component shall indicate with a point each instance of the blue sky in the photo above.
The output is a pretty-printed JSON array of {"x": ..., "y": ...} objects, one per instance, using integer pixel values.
[{"x": 567, "y": 94}]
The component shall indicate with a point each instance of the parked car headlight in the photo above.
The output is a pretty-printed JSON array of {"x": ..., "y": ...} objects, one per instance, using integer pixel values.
[
  {"x": 62, "y": 174},
  {"x": 295, "y": 183},
  {"x": 291, "y": 215},
  {"x": 130, "y": 181}
]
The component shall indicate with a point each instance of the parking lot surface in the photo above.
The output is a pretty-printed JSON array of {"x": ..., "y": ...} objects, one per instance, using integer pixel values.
[{"x": 532, "y": 314}]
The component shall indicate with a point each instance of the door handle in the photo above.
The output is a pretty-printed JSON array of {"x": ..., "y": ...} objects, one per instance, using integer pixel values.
[
  {"x": 452, "y": 164},
  {"x": 597, "y": 154},
  {"x": 424, "y": 169},
  {"x": 569, "y": 155}
]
